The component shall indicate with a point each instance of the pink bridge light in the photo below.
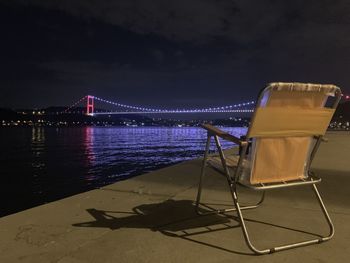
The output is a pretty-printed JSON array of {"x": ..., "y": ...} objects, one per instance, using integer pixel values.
[{"x": 89, "y": 105}]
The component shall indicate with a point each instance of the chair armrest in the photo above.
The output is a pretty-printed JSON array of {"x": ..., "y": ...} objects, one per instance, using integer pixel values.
[{"x": 222, "y": 134}]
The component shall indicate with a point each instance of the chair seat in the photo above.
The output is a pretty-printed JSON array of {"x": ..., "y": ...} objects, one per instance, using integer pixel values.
[{"x": 232, "y": 161}]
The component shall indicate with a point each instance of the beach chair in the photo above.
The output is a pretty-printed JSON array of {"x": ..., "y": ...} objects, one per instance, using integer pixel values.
[{"x": 286, "y": 130}]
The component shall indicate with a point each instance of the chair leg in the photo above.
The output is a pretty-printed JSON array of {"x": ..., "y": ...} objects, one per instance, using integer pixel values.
[
  {"x": 204, "y": 164},
  {"x": 199, "y": 193},
  {"x": 324, "y": 210},
  {"x": 284, "y": 247}
]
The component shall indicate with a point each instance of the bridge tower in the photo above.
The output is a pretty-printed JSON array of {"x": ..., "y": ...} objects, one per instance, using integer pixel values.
[{"x": 89, "y": 105}]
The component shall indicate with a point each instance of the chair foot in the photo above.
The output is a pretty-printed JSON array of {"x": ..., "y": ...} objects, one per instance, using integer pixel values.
[
  {"x": 288, "y": 246},
  {"x": 223, "y": 211}
]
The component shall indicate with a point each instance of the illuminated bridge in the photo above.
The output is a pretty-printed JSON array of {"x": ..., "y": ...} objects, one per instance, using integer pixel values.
[{"x": 120, "y": 108}]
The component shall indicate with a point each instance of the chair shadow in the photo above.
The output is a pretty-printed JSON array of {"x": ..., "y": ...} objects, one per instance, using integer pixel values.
[
  {"x": 169, "y": 215},
  {"x": 173, "y": 218}
]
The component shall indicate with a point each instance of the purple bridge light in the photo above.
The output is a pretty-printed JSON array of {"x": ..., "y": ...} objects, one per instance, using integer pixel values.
[{"x": 131, "y": 109}]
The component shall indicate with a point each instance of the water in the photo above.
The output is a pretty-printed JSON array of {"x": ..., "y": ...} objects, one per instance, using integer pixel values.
[{"x": 40, "y": 165}]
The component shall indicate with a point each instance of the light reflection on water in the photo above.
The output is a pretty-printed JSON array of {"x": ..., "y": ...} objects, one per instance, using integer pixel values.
[
  {"x": 119, "y": 152},
  {"x": 44, "y": 164}
]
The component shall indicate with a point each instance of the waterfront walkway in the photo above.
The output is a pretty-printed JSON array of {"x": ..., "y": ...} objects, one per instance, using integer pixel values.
[{"x": 151, "y": 218}]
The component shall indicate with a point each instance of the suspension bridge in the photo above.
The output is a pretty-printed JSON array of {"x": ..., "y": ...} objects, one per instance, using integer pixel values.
[{"x": 89, "y": 102}]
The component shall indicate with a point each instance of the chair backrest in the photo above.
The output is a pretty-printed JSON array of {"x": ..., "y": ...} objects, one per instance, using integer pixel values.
[{"x": 287, "y": 118}]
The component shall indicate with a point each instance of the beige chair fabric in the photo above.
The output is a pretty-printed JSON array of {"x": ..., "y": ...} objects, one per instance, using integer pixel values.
[
  {"x": 278, "y": 159},
  {"x": 290, "y": 121}
]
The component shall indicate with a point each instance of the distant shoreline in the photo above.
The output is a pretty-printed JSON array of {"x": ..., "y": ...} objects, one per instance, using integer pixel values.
[{"x": 345, "y": 131}]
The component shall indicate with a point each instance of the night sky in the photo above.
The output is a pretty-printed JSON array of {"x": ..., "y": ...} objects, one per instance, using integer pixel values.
[{"x": 181, "y": 53}]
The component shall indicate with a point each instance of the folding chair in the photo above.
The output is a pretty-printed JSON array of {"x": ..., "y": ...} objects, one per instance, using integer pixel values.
[{"x": 286, "y": 130}]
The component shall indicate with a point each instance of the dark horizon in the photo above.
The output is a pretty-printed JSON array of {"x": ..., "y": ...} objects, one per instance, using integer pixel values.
[{"x": 175, "y": 54}]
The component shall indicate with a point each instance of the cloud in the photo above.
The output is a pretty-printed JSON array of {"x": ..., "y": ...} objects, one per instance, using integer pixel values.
[
  {"x": 152, "y": 86},
  {"x": 202, "y": 21}
]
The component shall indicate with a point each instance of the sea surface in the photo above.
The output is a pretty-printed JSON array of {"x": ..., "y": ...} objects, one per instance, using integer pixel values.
[{"x": 40, "y": 165}]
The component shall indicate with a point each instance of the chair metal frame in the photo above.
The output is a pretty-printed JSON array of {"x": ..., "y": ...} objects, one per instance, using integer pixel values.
[{"x": 233, "y": 181}]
